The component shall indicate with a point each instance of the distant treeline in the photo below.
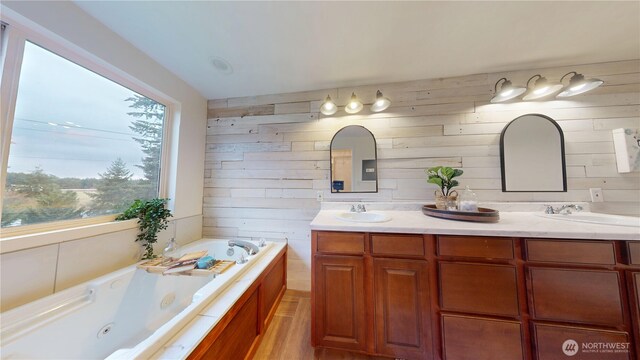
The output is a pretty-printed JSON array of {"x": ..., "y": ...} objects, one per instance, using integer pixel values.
[{"x": 18, "y": 179}]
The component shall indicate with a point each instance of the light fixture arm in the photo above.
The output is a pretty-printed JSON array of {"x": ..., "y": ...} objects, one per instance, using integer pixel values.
[
  {"x": 495, "y": 87},
  {"x": 531, "y": 78},
  {"x": 565, "y": 75}
]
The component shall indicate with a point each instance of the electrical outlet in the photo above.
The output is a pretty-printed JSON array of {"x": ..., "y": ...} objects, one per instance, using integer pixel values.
[
  {"x": 319, "y": 196},
  {"x": 596, "y": 195}
]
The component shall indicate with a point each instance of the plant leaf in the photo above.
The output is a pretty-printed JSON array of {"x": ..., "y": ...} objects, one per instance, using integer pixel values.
[
  {"x": 447, "y": 172},
  {"x": 435, "y": 180}
]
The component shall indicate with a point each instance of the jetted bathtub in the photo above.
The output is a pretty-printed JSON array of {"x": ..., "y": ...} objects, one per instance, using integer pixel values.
[{"x": 129, "y": 313}]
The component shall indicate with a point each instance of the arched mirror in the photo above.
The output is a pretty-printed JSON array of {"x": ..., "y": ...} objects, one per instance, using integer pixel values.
[
  {"x": 354, "y": 166},
  {"x": 532, "y": 155}
]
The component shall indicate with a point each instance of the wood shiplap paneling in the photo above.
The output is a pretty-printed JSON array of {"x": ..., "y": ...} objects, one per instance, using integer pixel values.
[{"x": 267, "y": 156}]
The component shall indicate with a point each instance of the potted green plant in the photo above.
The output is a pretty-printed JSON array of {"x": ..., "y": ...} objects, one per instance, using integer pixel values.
[
  {"x": 152, "y": 217},
  {"x": 443, "y": 177}
]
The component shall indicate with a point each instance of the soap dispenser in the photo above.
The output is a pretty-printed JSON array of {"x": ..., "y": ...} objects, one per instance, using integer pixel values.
[{"x": 468, "y": 200}]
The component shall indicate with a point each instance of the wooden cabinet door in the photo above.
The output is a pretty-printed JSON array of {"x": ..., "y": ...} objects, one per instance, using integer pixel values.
[
  {"x": 478, "y": 338},
  {"x": 558, "y": 342},
  {"x": 488, "y": 289},
  {"x": 580, "y": 296},
  {"x": 339, "y": 302},
  {"x": 402, "y": 308},
  {"x": 634, "y": 296}
]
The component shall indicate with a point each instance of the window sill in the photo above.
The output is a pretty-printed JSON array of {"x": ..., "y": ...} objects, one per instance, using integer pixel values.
[{"x": 28, "y": 241}]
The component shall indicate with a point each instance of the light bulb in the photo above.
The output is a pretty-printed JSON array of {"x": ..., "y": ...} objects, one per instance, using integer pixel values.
[
  {"x": 328, "y": 107},
  {"x": 381, "y": 103},
  {"x": 354, "y": 105}
]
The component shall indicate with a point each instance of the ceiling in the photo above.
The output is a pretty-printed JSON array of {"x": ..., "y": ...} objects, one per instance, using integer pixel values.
[{"x": 280, "y": 47}]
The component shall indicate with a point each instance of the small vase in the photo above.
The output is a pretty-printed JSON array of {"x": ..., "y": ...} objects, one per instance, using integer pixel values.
[{"x": 446, "y": 202}]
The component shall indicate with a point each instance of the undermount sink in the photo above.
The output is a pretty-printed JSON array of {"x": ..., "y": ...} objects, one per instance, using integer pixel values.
[
  {"x": 595, "y": 218},
  {"x": 367, "y": 217}
]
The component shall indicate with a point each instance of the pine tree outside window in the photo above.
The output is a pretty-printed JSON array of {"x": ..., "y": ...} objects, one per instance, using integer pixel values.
[{"x": 82, "y": 145}]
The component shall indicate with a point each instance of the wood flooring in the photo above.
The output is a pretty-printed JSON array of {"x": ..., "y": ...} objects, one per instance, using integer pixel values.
[{"x": 289, "y": 334}]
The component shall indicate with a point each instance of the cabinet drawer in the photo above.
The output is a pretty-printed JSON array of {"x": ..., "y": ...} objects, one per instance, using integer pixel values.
[
  {"x": 402, "y": 245},
  {"x": 552, "y": 342},
  {"x": 475, "y": 247},
  {"x": 340, "y": 242},
  {"x": 583, "y": 296},
  {"x": 571, "y": 252},
  {"x": 478, "y": 338},
  {"x": 634, "y": 253},
  {"x": 480, "y": 289}
]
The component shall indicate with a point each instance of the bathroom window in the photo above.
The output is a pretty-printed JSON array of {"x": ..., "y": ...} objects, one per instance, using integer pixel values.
[{"x": 82, "y": 146}]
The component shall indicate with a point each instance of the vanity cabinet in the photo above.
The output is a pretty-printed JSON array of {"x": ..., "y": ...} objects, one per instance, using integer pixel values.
[
  {"x": 458, "y": 297},
  {"x": 577, "y": 291},
  {"x": 633, "y": 286},
  {"x": 634, "y": 294},
  {"x": 370, "y": 294},
  {"x": 480, "y": 301}
]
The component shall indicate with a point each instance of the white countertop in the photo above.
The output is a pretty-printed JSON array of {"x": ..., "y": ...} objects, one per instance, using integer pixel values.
[{"x": 518, "y": 224}]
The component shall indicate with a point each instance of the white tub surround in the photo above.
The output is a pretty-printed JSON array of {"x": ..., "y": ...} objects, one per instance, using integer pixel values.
[
  {"x": 517, "y": 224},
  {"x": 178, "y": 342},
  {"x": 128, "y": 313}
]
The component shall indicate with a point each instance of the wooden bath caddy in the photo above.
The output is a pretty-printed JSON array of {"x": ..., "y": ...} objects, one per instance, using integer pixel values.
[{"x": 158, "y": 266}]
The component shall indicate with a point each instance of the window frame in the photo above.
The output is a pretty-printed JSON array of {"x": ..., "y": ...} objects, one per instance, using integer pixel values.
[{"x": 16, "y": 34}]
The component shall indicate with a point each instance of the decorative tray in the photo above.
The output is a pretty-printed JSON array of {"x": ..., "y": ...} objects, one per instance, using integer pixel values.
[{"x": 482, "y": 215}]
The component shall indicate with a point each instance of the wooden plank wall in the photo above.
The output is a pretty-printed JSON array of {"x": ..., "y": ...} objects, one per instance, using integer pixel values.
[{"x": 267, "y": 156}]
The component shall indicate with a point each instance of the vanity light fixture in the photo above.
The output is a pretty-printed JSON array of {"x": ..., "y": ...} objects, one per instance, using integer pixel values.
[
  {"x": 328, "y": 107},
  {"x": 578, "y": 85},
  {"x": 541, "y": 88},
  {"x": 381, "y": 103},
  {"x": 354, "y": 105},
  {"x": 507, "y": 91}
]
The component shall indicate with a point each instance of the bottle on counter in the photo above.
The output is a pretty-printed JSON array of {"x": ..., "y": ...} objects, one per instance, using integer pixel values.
[
  {"x": 468, "y": 200},
  {"x": 171, "y": 250}
]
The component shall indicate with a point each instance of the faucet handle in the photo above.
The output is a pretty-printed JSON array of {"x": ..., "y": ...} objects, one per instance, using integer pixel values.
[
  {"x": 361, "y": 208},
  {"x": 262, "y": 242},
  {"x": 353, "y": 208},
  {"x": 549, "y": 209}
]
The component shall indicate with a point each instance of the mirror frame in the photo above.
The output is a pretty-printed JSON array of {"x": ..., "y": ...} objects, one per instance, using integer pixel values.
[
  {"x": 562, "y": 155},
  {"x": 375, "y": 151}
]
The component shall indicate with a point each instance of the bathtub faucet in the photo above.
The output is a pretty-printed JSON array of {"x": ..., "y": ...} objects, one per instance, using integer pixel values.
[{"x": 250, "y": 248}]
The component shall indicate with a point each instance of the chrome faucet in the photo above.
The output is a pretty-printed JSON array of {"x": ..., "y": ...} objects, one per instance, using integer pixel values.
[
  {"x": 564, "y": 209},
  {"x": 358, "y": 208},
  {"x": 250, "y": 248}
]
